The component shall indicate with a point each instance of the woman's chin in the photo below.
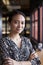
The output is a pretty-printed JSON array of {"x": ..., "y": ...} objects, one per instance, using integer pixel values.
[{"x": 19, "y": 32}]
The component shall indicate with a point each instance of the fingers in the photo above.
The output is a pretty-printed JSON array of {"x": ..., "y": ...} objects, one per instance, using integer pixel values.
[
  {"x": 36, "y": 55},
  {"x": 8, "y": 61},
  {"x": 32, "y": 56}
]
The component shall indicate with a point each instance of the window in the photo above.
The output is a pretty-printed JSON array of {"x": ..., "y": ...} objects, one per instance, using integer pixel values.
[
  {"x": 40, "y": 23},
  {"x": 36, "y": 24}
]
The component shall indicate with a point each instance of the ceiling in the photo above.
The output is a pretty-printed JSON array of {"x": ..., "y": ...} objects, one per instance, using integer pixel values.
[
  {"x": 14, "y": 4},
  {"x": 25, "y": 5}
]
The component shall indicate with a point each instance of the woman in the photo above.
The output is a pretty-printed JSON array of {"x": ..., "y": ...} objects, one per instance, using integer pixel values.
[{"x": 16, "y": 49}]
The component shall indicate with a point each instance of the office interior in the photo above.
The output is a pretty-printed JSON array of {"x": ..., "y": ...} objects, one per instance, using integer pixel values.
[{"x": 33, "y": 10}]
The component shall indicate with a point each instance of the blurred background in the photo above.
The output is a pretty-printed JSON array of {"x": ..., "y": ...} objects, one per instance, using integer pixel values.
[{"x": 33, "y": 10}]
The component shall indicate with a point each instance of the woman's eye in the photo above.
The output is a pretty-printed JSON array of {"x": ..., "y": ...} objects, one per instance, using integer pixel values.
[
  {"x": 15, "y": 22},
  {"x": 22, "y": 22}
]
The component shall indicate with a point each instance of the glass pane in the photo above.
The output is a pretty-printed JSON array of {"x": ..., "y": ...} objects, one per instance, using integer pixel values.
[
  {"x": 36, "y": 15},
  {"x": 33, "y": 30},
  {"x": 36, "y": 30},
  {"x": 32, "y": 17},
  {"x": 40, "y": 23}
]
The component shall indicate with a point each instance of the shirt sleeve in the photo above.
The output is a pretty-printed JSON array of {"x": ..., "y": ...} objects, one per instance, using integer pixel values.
[
  {"x": 31, "y": 47},
  {"x": 3, "y": 51},
  {"x": 36, "y": 60}
]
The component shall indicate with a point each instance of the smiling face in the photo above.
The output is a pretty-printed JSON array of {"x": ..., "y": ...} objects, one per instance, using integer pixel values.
[{"x": 17, "y": 23}]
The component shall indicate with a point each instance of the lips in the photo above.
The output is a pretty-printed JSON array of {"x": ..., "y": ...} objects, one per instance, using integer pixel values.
[{"x": 18, "y": 29}]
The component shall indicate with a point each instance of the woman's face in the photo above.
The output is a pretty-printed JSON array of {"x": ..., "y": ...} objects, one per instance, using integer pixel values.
[{"x": 17, "y": 23}]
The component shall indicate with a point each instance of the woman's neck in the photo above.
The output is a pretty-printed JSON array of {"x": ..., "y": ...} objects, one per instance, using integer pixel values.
[
  {"x": 15, "y": 38},
  {"x": 14, "y": 35}
]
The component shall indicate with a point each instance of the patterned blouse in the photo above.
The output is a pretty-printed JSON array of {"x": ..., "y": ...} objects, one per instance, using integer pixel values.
[{"x": 9, "y": 49}]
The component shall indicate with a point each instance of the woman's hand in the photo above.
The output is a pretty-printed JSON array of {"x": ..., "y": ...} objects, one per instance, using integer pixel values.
[
  {"x": 9, "y": 61},
  {"x": 33, "y": 55}
]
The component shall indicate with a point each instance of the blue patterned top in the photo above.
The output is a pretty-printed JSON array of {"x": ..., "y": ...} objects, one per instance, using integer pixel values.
[{"x": 9, "y": 49}]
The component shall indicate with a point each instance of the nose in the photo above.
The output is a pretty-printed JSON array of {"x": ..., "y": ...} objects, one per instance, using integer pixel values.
[{"x": 19, "y": 25}]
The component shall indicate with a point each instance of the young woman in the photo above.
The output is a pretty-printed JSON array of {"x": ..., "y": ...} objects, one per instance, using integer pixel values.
[{"x": 16, "y": 49}]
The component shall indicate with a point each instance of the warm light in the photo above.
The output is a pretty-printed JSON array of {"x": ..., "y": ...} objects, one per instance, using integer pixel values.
[
  {"x": 13, "y": 7},
  {"x": 6, "y": 2},
  {"x": 3, "y": 19},
  {"x": 28, "y": 26},
  {"x": 7, "y": 18},
  {"x": 10, "y": 8},
  {"x": 27, "y": 32},
  {"x": 27, "y": 18}
]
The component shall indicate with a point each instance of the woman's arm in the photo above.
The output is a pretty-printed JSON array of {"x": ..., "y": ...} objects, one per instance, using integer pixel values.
[
  {"x": 5, "y": 57},
  {"x": 33, "y": 55},
  {"x": 35, "y": 59},
  {"x": 26, "y": 63},
  {"x": 9, "y": 61}
]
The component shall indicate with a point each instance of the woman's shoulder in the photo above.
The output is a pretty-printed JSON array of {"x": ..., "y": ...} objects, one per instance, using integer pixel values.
[
  {"x": 3, "y": 41},
  {"x": 27, "y": 42},
  {"x": 26, "y": 39}
]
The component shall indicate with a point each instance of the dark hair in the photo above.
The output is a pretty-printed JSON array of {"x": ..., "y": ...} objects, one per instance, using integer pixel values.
[{"x": 13, "y": 13}]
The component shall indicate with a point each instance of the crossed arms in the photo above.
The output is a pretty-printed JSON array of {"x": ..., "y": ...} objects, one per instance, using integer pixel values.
[{"x": 9, "y": 61}]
